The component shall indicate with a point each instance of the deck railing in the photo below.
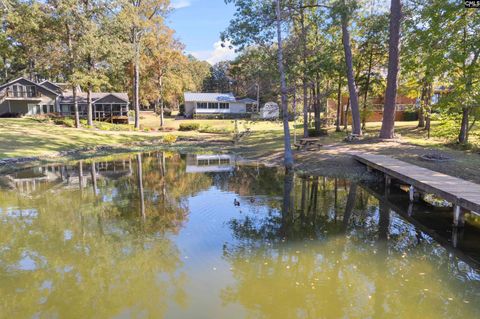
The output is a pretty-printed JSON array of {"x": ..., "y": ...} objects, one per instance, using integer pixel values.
[{"x": 22, "y": 94}]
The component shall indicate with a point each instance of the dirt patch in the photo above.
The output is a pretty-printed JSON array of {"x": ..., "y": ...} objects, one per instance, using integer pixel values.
[{"x": 461, "y": 164}]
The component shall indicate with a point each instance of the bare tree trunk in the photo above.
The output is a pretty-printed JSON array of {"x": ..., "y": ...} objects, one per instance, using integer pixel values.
[
  {"x": 75, "y": 106},
  {"x": 428, "y": 107},
  {"x": 136, "y": 79},
  {"x": 388, "y": 121},
  {"x": 421, "y": 110},
  {"x": 74, "y": 87},
  {"x": 339, "y": 104},
  {"x": 352, "y": 88},
  {"x": 317, "y": 106},
  {"x": 463, "y": 136},
  {"x": 305, "y": 107},
  {"x": 288, "y": 156},
  {"x": 304, "y": 79},
  {"x": 345, "y": 117},
  {"x": 367, "y": 87},
  {"x": 89, "y": 106},
  {"x": 161, "y": 102}
]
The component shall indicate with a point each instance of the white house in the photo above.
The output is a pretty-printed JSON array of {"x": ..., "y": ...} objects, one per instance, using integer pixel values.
[{"x": 217, "y": 104}]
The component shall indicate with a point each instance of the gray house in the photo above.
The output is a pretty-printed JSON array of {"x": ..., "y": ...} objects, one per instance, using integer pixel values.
[
  {"x": 22, "y": 96},
  {"x": 217, "y": 104},
  {"x": 25, "y": 97},
  {"x": 104, "y": 105}
]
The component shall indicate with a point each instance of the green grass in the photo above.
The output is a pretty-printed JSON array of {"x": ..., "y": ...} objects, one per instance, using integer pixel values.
[{"x": 29, "y": 137}]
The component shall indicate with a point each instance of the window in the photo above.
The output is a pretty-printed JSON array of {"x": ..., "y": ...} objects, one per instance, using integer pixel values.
[
  {"x": 16, "y": 90},
  {"x": 65, "y": 108},
  {"x": 202, "y": 162},
  {"x": 201, "y": 105},
  {"x": 224, "y": 161},
  {"x": 31, "y": 91},
  {"x": 212, "y": 105},
  {"x": 45, "y": 109},
  {"x": 224, "y": 106}
]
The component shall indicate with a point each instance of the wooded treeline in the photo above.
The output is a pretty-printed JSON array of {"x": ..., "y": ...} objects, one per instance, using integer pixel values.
[
  {"x": 117, "y": 45},
  {"x": 425, "y": 50}
]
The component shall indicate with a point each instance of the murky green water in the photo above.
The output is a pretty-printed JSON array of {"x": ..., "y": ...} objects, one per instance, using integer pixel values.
[{"x": 167, "y": 236}]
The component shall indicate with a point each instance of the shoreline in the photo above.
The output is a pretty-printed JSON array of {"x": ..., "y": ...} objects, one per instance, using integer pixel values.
[
  {"x": 341, "y": 165},
  {"x": 332, "y": 159}
]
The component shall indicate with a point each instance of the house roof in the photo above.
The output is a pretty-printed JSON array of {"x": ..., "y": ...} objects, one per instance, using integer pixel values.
[
  {"x": 27, "y": 80},
  {"x": 67, "y": 97},
  {"x": 52, "y": 86},
  {"x": 247, "y": 100},
  {"x": 209, "y": 97}
]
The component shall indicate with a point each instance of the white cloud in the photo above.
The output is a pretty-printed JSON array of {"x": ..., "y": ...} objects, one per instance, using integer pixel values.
[
  {"x": 219, "y": 53},
  {"x": 179, "y": 4}
]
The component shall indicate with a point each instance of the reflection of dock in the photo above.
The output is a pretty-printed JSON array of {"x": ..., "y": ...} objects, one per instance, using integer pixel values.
[
  {"x": 210, "y": 163},
  {"x": 457, "y": 191},
  {"x": 415, "y": 214}
]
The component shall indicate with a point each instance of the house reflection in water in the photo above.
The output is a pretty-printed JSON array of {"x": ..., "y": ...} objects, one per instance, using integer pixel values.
[
  {"x": 210, "y": 163},
  {"x": 29, "y": 179}
]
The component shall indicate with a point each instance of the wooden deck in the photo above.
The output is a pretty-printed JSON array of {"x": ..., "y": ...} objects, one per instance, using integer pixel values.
[{"x": 459, "y": 192}]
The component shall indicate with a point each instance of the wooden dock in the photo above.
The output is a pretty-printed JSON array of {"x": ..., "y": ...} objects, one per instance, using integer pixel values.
[{"x": 459, "y": 192}]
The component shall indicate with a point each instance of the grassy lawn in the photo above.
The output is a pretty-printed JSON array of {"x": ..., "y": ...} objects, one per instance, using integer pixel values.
[
  {"x": 28, "y": 137},
  {"x": 149, "y": 120}
]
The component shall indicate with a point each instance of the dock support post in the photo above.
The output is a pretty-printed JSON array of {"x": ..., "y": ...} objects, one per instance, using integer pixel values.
[
  {"x": 411, "y": 193},
  {"x": 458, "y": 216}
]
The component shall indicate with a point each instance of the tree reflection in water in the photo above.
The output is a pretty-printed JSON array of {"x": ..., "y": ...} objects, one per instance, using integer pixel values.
[
  {"x": 297, "y": 262},
  {"x": 69, "y": 253},
  {"x": 111, "y": 237}
]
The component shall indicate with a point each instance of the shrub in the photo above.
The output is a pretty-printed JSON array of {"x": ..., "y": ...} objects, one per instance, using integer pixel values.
[
  {"x": 169, "y": 139},
  {"x": 410, "y": 115},
  {"x": 65, "y": 121},
  {"x": 213, "y": 130},
  {"x": 166, "y": 111},
  {"x": 181, "y": 110},
  {"x": 11, "y": 115},
  {"x": 105, "y": 126},
  {"x": 189, "y": 127}
]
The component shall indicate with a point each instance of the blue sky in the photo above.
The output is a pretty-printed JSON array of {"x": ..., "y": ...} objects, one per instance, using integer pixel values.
[{"x": 198, "y": 24}]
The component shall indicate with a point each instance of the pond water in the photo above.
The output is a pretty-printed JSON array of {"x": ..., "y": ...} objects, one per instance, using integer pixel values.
[{"x": 164, "y": 235}]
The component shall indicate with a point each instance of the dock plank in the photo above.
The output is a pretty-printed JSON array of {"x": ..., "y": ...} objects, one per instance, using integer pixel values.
[{"x": 455, "y": 190}]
